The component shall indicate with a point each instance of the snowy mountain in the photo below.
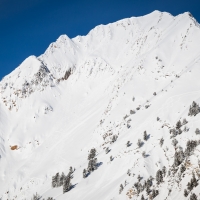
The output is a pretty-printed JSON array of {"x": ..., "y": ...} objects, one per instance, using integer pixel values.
[{"x": 120, "y": 105}]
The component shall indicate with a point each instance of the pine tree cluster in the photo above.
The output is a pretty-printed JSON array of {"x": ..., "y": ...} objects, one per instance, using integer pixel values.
[
  {"x": 141, "y": 187},
  {"x": 176, "y": 131},
  {"x": 67, "y": 182},
  {"x": 194, "y": 109},
  {"x": 193, "y": 196},
  {"x": 193, "y": 183},
  {"x": 63, "y": 180},
  {"x": 153, "y": 194},
  {"x": 190, "y": 146},
  {"x": 92, "y": 164}
]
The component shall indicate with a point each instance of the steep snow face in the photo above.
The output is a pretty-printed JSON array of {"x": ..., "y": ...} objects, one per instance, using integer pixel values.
[{"x": 101, "y": 91}]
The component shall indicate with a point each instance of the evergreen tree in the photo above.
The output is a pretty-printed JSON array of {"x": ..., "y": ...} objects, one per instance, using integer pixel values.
[
  {"x": 84, "y": 173},
  {"x": 92, "y": 165},
  {"x": 129, "y": 172},
  {"x": 139, "y": 178},
  {"x": 67, "y": 183},
  {"x": 144, "y": 154},
  {"x": 174, "y": 142},
  {"x": 174, "y": 132},
  {"x": 189, "y": 186},
  {"x": 178, "y": 125},
  {"x": 132, "y": 112},
  {"x": 138, "y": 187},
  {"x": 161, "y": 142},
  {"x": 178, "y": 158},
  {"x": 114, "y": 138},
  {"x": 56, "y": 180},
  {"x": 182, "y": 168},
  {"x": 148, "y": 190},
  {"x": 179, "y": 131},
  {"x": 193, "y": 183},
  {"x": 71, "y": 170},
  {"x": 149, "y": 182},
  {"x": 125, "y": 183},
  {"x": 128, "y": 126},
  {"x": 145, "y": 136},
  {"x": 111, "y": 158},
  {"x": 185, "y": 193},
  {"x": 92, "y": 154},
  {"x": 159, "y": 177},
  {"x": 121, "y": 187},
  {"x": 107, "y": 150},
  {"x": 139, "y": 143},
  {"x": 154, "y": 193},
  {"x": 164, "y": 171},
  {"x": 61, "y": 179},
  {"x": 197, "y": 131},
  {"x": 128, "y": 144},
  {"x": 190, "y": 146},
  {"x": 184, "y": 121},
  {"x": 53, "y": 182},
  {"x": 186, "y": 129}
]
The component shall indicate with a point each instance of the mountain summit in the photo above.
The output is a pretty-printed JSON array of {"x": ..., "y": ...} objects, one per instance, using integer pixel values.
[{"x": 110, "y": 115}]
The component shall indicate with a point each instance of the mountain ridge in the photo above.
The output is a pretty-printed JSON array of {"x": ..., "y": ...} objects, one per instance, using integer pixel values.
[{"x": 101, "y": 91}]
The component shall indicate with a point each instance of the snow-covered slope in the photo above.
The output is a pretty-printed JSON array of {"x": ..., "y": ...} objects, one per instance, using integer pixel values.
[{"x": 122, "y": 79}]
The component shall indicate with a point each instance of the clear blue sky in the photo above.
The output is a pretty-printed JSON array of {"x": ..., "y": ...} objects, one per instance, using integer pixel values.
[{"x": 27, "y": 27}]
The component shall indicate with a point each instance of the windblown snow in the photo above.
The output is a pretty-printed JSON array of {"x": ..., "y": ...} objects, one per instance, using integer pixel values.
[{"x": 120, "y": 90}]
